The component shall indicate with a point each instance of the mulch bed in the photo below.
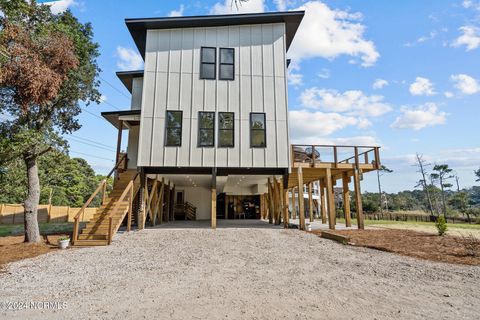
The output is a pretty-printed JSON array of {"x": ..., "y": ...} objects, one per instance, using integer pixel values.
[
  {"x": 413, "y": 244},
  {"x": 13, "y": 248}
]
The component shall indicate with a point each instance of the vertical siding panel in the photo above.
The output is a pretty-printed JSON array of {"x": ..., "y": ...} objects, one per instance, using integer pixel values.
[
  {"x": 198, "y": 97},
  {"x": 158, "y": 142},
  {"x": 210, "y": 96},
  {"x": 163, "y": 50},
  {"x": 245, "y": 53},
  {"x": 279, "y": 49},
  {"x": 246, "y": 151},
  {"x": 145, "y": 141},
  {"x": 267, "y": 49},
  {"x": 187, "y": 51}
]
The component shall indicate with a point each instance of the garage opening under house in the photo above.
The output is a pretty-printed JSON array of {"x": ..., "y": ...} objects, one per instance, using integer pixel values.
[{"x": 208, "y": 133}]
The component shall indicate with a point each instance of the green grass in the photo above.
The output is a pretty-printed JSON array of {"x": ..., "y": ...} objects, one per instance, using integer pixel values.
[
  {"x": 45, "y": 228},
  {"x": 414, "y": 223}
]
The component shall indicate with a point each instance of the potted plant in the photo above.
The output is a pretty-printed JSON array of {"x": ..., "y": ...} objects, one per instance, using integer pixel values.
[{"x": 63, "y": 242}]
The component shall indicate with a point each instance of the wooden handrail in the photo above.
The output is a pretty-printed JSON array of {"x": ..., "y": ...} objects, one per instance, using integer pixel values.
[
  {"x": 102, "y": 186},
  {"x": 128, "y": 190},
  {"x": 315, "y": 148}
]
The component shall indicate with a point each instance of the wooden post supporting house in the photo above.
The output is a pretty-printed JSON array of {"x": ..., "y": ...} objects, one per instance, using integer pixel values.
[
  {"x": 310, "y": 202},
  {"x": 279, "y": 193},
  {"x": 346, "y": 200},
  {"x": 323, "y": 210},
  {"x": 226, "y": 207},
  {"x": 301, "y": 203},
  {"x": 286, "y": 217},
  {"x": 294, "y": 205},
  {"x": 358, "y": 199},
  {"x": 172, "y": 204},
  {"x": 271, "y": 211},
  {"x": 167, "y": 203},
  {"x": 214, "y": 199},
  {"x": 330, "y": 199},
  {"x": 160, "y": 201}
]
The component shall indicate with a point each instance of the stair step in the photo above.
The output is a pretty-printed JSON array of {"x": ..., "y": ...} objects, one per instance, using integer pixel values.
[
  {"x": 92, "y": 236},
  {"x": 88, "y": 243}
]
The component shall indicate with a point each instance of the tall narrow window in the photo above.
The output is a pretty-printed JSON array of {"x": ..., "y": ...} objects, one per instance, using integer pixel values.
[
  {"x": 173, "y": 129},
  {"x": 206, "y": 129},
  {"x": 227, "y": 64},
  {"x": 258, "y": 137},
  {"x": 226, "y": 129},
  {"x": 208, "y": 62}
]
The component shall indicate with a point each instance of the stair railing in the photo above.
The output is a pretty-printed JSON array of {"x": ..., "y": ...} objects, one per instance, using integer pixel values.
[
  {"x": 102, "y": 187},
  {"x": 130, "y": 192}
]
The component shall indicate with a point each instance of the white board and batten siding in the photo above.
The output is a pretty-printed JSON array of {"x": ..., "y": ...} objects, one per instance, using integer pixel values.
[{"x": 172, "y": 82}]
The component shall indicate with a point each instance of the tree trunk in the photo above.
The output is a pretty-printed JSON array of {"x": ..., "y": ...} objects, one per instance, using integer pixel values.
[
  {"x": 32, "y": 232},
  {"x": 379, "y": 191}
]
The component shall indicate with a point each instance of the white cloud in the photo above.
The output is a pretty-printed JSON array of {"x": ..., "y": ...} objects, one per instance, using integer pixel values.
[
  {"x": 324, "y": 73},
  {"x": 469, "y": 4},
  {"x": 432, "y": 35},
  {"x": 295, "y": 79},
  {"x": 177, "y": 13},
  {"x": 424, "y": 116},
  {"x": 60, "y": 6},
  {"x": 352, "y": 102},
  {"x": 379, "y": 84},
  {"x": 422, "y": 87},
  {"x": 448, "y": 94},
  {"x": 228, "y": 7},
  {"x": 470, "y": 38},
  {"x": 465, "y": 84},
  {"x": 281, "y": 4},
  {"x": 129, "y": 59},
  {"x": 330, "y": 33}
]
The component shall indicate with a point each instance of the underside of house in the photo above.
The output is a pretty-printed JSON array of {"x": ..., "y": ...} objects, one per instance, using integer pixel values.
[{"x": 208, "y": 146}]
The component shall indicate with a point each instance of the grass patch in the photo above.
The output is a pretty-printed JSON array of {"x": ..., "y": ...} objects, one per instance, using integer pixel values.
[{"x": 45, "y": 228}]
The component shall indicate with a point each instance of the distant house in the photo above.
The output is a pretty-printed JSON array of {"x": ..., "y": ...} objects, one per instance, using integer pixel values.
[{"x": 208, "y": 123}]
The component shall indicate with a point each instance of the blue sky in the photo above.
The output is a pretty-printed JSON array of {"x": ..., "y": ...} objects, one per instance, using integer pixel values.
[{"x": 400, "y": 74}]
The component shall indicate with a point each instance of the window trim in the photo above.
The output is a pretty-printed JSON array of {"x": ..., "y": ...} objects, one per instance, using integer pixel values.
[
  {"x": 233, "y": 131},
  {"x": 167, "y": 127},
  {"x": 226, "y": 64},
  {"x": 209, "y": 63},
  {"x": 200, "y": 128},
  {"x": 264, "y": 130}
]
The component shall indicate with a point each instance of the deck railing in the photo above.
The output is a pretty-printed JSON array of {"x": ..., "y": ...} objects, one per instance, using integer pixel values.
[{"x": 335, "y": 154}]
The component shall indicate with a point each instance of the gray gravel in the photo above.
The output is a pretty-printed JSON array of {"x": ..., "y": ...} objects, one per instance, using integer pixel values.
[{"x": 242, "y": 270}]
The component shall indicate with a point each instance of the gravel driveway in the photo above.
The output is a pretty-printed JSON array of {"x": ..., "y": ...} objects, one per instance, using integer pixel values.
[{"x": 242, "y": 270}]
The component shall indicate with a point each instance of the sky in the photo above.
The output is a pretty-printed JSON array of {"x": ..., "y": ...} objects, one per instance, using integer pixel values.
[{"x": 403, "y": 75}]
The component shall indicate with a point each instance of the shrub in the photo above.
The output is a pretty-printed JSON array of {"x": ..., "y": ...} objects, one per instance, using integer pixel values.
[
  {"x": 471, "y": 245},
  {"x": 441, "y": 225}
]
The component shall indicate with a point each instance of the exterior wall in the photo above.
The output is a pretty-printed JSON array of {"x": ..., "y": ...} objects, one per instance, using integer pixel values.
[
  {"x": 132, "y": 149},
  {"x": 200, "y": 198},
  {"x": 172, "y": 81}
]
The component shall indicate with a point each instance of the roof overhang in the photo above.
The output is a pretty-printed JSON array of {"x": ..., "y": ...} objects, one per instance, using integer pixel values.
[
  {"x": 127, "y": 77},
  {"x": 138, "y": 27},
  {"x": 128, "y": 117}
]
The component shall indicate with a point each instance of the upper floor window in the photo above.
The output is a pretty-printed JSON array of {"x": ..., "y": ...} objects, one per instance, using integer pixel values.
[
  {"x": 174, "y": 129},
  {"x": 225, "y": 129},
  {"x": 208, "y": 61},
  {"x": 258, "y": 136},
  {"x": 227, "y": 64},
  {"x": 206, "y": 129}
]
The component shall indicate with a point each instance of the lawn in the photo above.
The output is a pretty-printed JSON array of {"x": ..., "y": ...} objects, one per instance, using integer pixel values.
[{"x": 45, "y": 228}]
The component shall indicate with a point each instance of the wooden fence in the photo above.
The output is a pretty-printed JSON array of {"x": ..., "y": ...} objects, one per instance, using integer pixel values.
[
  {"x": 14, "y": 213},
  {"x": 413, "y": 217}
]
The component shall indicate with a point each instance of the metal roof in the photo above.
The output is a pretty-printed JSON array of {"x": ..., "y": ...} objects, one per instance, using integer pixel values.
[
  {"x": 138, "y": 27},
  {"x": 127, "y": 77}
]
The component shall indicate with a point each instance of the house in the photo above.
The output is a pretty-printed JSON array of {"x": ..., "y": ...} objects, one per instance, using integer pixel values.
[{"x": 208, "y": 125}]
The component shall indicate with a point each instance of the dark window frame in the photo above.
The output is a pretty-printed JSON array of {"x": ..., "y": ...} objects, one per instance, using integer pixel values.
[
  {"x": 208, "y": 63},
  {"x": 264, "y": 130},
  {"x": 220, "y": 64},
  {"x": 167, "y": 128},
  {"x": 232, "y": 130},
  {"x": 201, "y": 128}
]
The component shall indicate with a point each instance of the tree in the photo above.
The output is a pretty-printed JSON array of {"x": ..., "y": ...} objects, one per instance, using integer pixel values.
[
  {"x": 50, "y": 66},
  {"x": 385, "y": 170},
  {"x": 460, "y": 201},
  {"x": 477, "y": 173},
  {"x": 422, "y": 164},
  {"x": 442, "y": 175}
]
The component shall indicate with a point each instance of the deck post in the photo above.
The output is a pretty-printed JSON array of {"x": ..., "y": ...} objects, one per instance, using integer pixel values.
[
  {"x": 214, "y": 199},
  {"x": 271, "y": 210},
  {"x": 172, "y": 203},
  {"x": 358, "y": 199},
  {"x": 330, "y": 199},
  {"x": 310, "y": 202},
  {"x": 160, "y": 201},
  {"x": 346, "y": 200},
  {"x": 323, "y": 210},
  {"x": 294, "y": 205},
  {"x": 279, "y": 185},
  {"x": 226, "y": 207},
  {"x": 286, "y": 218},
  {"x": 119, "y": 140},
  {"x": 301, "y": 202},
  {"x": 167, "y": 203}
]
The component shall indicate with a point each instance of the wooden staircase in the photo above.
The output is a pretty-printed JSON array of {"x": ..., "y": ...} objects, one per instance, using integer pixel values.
[{"x": 109, "y": 217}]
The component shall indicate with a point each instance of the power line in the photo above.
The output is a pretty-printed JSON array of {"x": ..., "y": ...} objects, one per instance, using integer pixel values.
[
  {"x": 111, "y": 85},
  {"x": 92, "y": 145},
  {"x": 93, "y": 114},
  {"x": 89, "y": 155},
  {"x": 92, "y": 141},
  {"x": 111, "y": 105}
]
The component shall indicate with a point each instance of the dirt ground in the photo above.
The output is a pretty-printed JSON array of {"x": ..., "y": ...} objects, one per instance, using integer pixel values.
[
  {"x": 415, "y": 244},
  {"x": 453, "y": 230},
  {"x": 14, "y": 249},
  {"x": 242, "y": 270}
]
